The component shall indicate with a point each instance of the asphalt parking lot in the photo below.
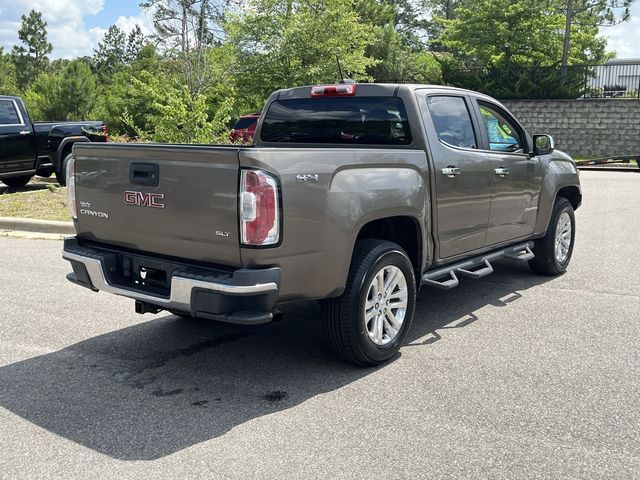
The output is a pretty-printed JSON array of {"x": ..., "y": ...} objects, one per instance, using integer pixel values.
[{"x": 512, "y": 376}]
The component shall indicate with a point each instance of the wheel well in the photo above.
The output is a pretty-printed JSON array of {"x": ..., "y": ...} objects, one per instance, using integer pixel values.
[
  {"x": 66, "y": 150},
  {"x": 404, "y": 231},
  {"x": 572, "y": 194}
]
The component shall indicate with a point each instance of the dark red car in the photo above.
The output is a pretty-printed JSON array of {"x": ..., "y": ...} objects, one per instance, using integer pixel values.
[{"x": 244, "y": 128}]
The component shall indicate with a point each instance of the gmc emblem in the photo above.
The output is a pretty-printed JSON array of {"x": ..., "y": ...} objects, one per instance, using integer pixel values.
[{"x": 140, "y": 199}]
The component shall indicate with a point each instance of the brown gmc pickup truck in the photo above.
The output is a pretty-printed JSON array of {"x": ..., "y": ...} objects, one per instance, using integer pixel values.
[{"x": 353, "y": 194}]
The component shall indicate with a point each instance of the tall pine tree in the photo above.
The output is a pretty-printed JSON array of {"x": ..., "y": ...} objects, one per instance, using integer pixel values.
[
  {"x": 30, "y": 59},
  {"x": 110, "y": 55}
]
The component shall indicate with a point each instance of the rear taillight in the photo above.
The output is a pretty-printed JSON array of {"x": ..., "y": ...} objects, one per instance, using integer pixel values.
[
  {"x": 71, "y": 187},
  {"x": 259, "y": 208},
  {"x": 105, "y": 131}
]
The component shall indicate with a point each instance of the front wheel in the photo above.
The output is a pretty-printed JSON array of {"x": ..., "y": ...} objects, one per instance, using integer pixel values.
[
  {"x": 553, "y": 251},
  {"x": 17, "y": 182},
  {"x": 368, "y": 324}
]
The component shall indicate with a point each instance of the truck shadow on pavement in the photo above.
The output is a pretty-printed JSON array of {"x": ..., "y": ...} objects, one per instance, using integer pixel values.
[{"x": 150, "y": 390}]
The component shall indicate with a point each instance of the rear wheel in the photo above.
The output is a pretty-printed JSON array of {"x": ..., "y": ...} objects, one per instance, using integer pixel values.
[
  {"x": 553, "y": 251},
  {"x": 17, "y": 182},
  {"x": 368, "y": 324},
  {"x": 61, "y": 175}
]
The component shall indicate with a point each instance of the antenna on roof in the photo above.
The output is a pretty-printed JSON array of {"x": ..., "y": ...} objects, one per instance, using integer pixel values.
[{"x": 342, "y": 79}]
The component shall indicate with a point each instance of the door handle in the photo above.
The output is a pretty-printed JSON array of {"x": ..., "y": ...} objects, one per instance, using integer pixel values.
[
  {"x": 451, "y": 171},
  {"x": 145, "y": 174},
  {"x": 25, "y": 132},
  {"x": 502, "y": 171}
]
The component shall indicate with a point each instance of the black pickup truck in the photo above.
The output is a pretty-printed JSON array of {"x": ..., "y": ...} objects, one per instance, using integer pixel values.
[{"x": 39, "y": 148}]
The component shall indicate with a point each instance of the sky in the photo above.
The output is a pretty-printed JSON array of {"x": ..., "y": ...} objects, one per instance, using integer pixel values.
[{"x": 76, "y": 26}]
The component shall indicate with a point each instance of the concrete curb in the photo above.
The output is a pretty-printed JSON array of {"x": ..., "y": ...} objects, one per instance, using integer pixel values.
[
  {"x": 610, "y": 168},
  {"x": 31, "y": 235},
  {"x": 39, "y": 226}
]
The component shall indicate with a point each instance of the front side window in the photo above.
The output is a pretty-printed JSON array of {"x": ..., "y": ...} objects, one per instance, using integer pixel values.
[
  {"x": 452, "y": 121},
  {"x": 8, "y": 113},
  {"x": 503, "y": 134}
]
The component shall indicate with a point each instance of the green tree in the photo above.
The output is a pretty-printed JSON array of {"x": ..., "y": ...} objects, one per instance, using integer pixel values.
[
  {"x": 110, "y": 55},
  {"x": 588, "y": 16},
  {"x": 78, "y": 90},
  {"x": 148, "y": 99},
  {"x": 399, "y": 62},
  {"x": 30, "y": 59},
  {"x": 43, "y": 98},
  {"x": 443, "y": 8},
  {"x": 66, "y": 95},
  {"x": 439, "y": 10},
  {"x": 185, "y": 29},
  {"x": 399, "y": 33},
  {"x": 506, "y": 32},
  {"x": 406, "y": 16},
  {"x": 286, "y": 43},
  {"x": 7, "y": 74},
  {"x": 122, "y": 104},
  {"x": 135, "y": 44}
]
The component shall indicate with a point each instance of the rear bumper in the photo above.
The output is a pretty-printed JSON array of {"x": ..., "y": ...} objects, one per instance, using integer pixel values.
[{"x": 244, "y": 296}]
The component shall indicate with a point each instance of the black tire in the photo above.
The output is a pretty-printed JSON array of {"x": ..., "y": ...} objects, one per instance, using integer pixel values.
[
  {"x": 17, "y": 182},
  {"x": 343, "y": 319},
  {"x": 61, "y": 175},
  {"x": 545, "y": 261}
]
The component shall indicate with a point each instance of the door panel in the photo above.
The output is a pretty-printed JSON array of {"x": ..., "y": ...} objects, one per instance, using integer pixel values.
[
  {"x": 17, "y": 141},
  {"x": 516, "y": 176},
  {"x": 514, "y": 203},
  {"x": 463, "y": 193}
]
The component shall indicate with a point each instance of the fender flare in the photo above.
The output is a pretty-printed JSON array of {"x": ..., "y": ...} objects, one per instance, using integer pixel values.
[
  {"x": 63, "y": 144},
  {"x": 560, "y": 174},
  {"x": 360, "y": 196}
]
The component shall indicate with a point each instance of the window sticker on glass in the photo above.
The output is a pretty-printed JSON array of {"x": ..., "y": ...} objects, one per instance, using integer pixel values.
[{"x": 501, "y": 135}]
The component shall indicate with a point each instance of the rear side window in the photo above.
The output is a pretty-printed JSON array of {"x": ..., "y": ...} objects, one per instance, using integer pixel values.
[
  {"x": 452, "y": 121},
  {"x": 245, "y": 123},
  {"x": 353, "y": 120},
  {"x": 8, "y": 113}
]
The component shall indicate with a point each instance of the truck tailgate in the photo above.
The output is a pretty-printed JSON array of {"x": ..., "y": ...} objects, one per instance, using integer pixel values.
[{"x": 174, "y": 200}]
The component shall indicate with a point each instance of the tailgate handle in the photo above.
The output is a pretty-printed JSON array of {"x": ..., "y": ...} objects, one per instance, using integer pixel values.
[{"x": 146, "y": 174}]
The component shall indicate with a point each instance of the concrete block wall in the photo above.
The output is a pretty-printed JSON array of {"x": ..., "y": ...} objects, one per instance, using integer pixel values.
[{"x": 590, "y": 128}]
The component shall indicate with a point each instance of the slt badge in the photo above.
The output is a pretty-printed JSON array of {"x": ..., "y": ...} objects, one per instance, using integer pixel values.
[{"x": 307, "y": 177}]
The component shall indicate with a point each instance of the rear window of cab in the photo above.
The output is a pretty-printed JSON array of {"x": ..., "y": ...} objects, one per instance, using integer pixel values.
[
  {"x": 245, "y": 122},
  {"x": 337, "y": 120}
]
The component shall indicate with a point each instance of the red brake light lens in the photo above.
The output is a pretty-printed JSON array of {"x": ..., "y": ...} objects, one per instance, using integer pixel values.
[
  {"x": 342, "y": 90},
  {"x": 259, "y": 208}
]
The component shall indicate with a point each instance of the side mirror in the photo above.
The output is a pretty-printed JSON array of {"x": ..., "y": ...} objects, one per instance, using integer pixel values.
[{"x": 543, "y": 144}]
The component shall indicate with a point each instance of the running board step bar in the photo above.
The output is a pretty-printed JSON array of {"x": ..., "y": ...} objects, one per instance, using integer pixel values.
[{"x": 478, "y": 267}]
